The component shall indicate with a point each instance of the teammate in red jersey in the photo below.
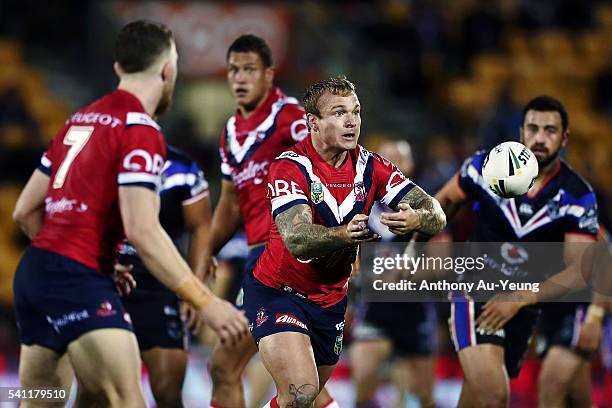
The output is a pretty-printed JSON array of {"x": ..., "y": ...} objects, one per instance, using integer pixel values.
[
  {"x": 322, "y": 191},
  {"x": 266, "y": 123},
  {"x": 96, "y": 185}
]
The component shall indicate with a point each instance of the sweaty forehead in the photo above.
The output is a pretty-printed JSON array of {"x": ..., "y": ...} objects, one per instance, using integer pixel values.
[
  {"x": 328, "y": 101},
  {"x": 244, "y": 58},
  {"x": 543, "y": 118}
]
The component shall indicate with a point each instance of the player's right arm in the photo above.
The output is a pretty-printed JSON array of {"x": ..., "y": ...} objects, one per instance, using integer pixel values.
[
  {"x": 141, "y": 151},
  {"x": 30, "y": 208},
  {"x": 293, "y": 217},
  {"x": 451, "y": 197},
  {"x": 306, "y": 240},
  {"x": 139, "y": 211}
]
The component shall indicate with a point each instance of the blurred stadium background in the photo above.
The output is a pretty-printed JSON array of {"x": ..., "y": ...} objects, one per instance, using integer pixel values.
[{"x": 448, "y": 76}]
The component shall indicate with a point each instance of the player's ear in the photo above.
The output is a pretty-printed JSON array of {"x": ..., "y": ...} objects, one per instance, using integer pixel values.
[
  {"x": 165, "y": 72},
  {"x": 566, "y": 134},
  {"x": 313, "y": 122},
  {"x": 269, "y": 75},
  {"x": 117, "y": 69}
]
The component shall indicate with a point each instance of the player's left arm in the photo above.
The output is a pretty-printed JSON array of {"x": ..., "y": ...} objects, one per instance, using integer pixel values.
[
  {"x": 197, "y": 217},
  {"x": 578, "y": 253},
  {"x": 30, "y": 208},
  {"x": 417, "y": 211}
]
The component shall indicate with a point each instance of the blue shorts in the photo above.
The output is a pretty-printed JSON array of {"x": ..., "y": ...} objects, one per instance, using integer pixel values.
[
  {"x": 410, "y": 326},
  {"x": 249, "y": 265},
  {"x": 156, "y": 316},
  {"x": 58, "y": 299},
  {"x": 513, "y": 337},
  {"x": 271, "y": 311},
  {"x": 559, "y": 325}
]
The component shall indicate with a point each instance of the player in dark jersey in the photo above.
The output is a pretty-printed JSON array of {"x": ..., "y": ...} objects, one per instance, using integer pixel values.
[
  {"x": 158, "y": 316},
  {"x": 492, "y": 339},
  {"x": 405, "y": 331},
  {"x": 266, "y": 123},
  {"x": 321, "y": 192},
  {"x": 96, "y": 185}
]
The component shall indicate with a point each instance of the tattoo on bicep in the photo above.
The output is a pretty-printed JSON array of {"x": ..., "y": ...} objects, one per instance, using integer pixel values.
[
  {"x": 303, "y": 238},
  {"x": 293, "y": 218},
  {"x": 430, "y": 213},
  {"x": 302, "y": 396}
]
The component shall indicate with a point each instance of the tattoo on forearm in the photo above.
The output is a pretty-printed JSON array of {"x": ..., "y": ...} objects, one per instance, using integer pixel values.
[
  {"x": 305, "y": 239},
  {"x": 302, "y": 396},
  {"x": 430, "y": 213}
]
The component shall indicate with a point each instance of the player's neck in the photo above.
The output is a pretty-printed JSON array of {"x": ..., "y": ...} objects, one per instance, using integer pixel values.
[
  {"x": 247, "y": 111},
  {"x": 548, "y": 170},
  {"x": 331, "y": 155},
  {"x": 145, "y": 89}
]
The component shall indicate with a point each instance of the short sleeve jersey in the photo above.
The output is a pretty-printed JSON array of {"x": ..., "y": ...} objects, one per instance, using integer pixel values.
[
  {"x": 248, "y": 146},
  {"x": 335, "y": 196},
  {"x": 108, "y": 144}
]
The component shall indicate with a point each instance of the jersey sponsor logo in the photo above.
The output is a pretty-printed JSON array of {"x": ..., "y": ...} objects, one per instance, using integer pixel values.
[
  {"x": 513, "y": 253},
  {"x": 103, "y": 119},
  {"x": 139, "y": 159},
  {"x": 253, "y": 171},
  {"x": 68, "y": 318},
  {"x": 340, "y": 326},
  {"x": 63, "y": 205},
  {"x": 283, "y": 318},
  {"x": 282, "y": 187},
  {"x": 316, "y": 192}
]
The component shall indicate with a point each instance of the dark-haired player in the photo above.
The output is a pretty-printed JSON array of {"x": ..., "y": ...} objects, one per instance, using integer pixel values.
[
  {"x": 321, "y": 192},
  {"x": 96, "y": 184},
  {"x": 492, "y": 339},
  {"x": 159, "y": 319}
]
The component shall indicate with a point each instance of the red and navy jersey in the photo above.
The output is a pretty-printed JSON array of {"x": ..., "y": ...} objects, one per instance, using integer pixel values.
[
  {"x": 564, "y": 204},
  {"x": 335, "y": 196},
  {"x": 110, "y": 143},
  {"x": 248, "y": 146}
]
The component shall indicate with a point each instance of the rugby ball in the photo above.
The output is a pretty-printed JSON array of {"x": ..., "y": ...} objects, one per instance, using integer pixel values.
[{"x": 510, "y": 169}]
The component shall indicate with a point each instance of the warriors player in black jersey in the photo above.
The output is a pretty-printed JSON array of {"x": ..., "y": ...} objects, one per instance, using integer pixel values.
[
  {"x": 158, "y": 317},
  {"x": 492, "y": 338}
]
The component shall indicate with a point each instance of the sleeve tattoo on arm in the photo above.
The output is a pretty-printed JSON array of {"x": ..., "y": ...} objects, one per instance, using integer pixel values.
[
  {"x": 305, "y": 239},
  {"x": 431, "y": 215}
]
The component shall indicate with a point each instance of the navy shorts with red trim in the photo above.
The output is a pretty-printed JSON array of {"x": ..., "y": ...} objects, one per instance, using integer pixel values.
[
  {"x": 513, "y": 337},
  {"x": 271, "y": 311},
  {"x": 58, "y": 299}
]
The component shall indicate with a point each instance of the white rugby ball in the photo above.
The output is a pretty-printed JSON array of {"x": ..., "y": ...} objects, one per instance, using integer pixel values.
[{"x": 510, "y": 169}]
